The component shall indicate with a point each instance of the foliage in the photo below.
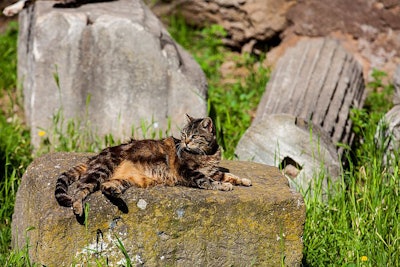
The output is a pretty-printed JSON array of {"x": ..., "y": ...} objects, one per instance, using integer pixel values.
[
  {"x": 15, "y": 155},
  {"x": 78, "y": 135},
  {"x": 15, "y": 150},
  {"x": 357, "y": 224},
  {"x": 8, "y": 59},
  {"x": 231, "y": 104},
  {"x": 380, "y": 96}
]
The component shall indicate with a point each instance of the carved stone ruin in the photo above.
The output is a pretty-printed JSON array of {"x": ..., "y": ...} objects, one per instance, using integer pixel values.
[{"x": 318, "y": 83}]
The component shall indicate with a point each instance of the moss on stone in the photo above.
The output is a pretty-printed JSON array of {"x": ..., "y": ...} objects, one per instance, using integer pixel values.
[{"x": 168, "y": 226}]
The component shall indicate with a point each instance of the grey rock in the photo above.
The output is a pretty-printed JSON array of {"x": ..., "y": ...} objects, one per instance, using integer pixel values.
[
  {"x": 116, "y": 53},
  {"x": 302, "y": 151},
  {"x": 387, "y": 136},
  {"x": 396, "y": 83},
  {"x": 162, "y": 226},
  {"x": 318, "y": 83}
]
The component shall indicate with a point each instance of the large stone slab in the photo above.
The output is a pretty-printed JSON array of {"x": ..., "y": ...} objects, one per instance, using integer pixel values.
[
  {"x": 260, "y": 225},
  {"x": 116, "y": 53}
]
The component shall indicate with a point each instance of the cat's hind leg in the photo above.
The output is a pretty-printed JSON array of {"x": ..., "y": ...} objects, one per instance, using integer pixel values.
[
  {"x": 81, "y": 193},
  {"x": 127, "y": 174},
  {"x": 117, "y": 186},
  {"x": 88, "y": 184}
]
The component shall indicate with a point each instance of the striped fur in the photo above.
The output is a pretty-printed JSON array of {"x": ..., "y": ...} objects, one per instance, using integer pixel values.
[{"x": 190, "y": 161}]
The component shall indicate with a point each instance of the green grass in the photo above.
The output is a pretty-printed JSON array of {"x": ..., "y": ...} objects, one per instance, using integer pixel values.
[
  {"x": 15, "y": 155},
  {"x": 357, "y": 224},
  {"x": 15, "y": 150},
  {"x": 8, "y": 59},
  {"x": 231, "y": 104}
]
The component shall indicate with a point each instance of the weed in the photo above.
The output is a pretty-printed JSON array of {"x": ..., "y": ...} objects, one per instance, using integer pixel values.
[
  {"x": 8, "y": 59},
  {"x": 358, "y": 224},
  {"x": 380, "y": 96},
  {"x": 15, "y": 155}
]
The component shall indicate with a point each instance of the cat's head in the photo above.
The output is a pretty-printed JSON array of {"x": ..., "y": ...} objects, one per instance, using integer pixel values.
[{"x": 198, "y": 136}]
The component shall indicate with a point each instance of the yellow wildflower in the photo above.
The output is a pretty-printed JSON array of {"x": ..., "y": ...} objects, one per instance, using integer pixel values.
[
  {"x": 41, "y": 133},
  {"x": 364, "y": 258}
]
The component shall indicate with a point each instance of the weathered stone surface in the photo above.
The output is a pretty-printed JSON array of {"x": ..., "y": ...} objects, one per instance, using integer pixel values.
[
  {"x": 163, "y": 226},
  {"x": 244, "y": 20},
  {"x": 316, "y": 82},
  {"x": 396, "y": 84},
  {"x": 118, "y": 54},
  {"x": 302, "y": 150},
  {"x": 387, "y": 136}
]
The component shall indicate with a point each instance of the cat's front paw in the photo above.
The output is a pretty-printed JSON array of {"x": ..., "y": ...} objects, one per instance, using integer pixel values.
[
  {"x": 246, "y": 182},
  {"x": 222, "y": 186}
]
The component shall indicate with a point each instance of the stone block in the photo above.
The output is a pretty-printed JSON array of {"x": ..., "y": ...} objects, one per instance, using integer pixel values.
[{"x": 260, "y": 225}]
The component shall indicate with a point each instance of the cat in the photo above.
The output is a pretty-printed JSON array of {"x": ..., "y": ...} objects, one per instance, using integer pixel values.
[
  {"x": 191, "y": 161},
  {"x": 17, "y": 7}
]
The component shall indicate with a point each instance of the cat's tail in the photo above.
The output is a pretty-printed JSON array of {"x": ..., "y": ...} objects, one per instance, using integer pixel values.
[{"x": 64, "y": 181}]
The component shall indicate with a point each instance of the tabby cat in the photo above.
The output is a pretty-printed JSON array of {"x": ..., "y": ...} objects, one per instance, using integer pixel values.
[{"x": 190, "y": 161}]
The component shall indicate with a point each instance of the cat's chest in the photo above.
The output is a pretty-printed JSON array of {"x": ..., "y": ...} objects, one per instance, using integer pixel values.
[{"x": 201, "y": 164}]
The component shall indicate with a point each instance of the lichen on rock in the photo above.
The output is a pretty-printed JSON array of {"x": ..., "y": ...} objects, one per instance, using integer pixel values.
[{"x": 176, "y": 226}]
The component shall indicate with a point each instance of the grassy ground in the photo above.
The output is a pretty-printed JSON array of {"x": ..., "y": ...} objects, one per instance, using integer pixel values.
[{"x": 357, "y": 224}]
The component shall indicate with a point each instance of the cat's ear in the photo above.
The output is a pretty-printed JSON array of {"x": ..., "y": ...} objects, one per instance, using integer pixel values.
[
  {"x": 207, "y": 123},
  {"x": 190, "y": 119}
]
